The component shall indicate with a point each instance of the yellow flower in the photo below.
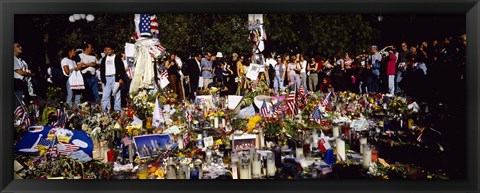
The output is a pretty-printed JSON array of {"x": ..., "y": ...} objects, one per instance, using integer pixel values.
[{"x": 218, "y": 142}]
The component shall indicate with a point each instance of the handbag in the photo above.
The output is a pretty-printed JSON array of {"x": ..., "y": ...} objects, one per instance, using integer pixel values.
[{"x": 76, "y": 81}]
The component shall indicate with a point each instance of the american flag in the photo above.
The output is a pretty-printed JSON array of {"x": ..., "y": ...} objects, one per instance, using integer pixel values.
[
  {"x": 144, "y": 25},
  {"x": 264, "y": 109},
  {"x": 61, "y": 119},
  {"x": 419, "y": 138},
  {"x": 164, "y": 74},
  {"x": 154, "y": 25},
  {"x": 19, "y": 112},
  {"x": 53, "y": 150},
  {"x": 301, "y": 92},
  {"x": 327, "y": 99},
  {"x": 278, "y": 109},
  {"x": 316, "y": 115},
  {"x": 65, "y": 148},
  {"x": 186, "y": 139},
  {"x": 188, "y": 115},
  {"x": 44, "y": 142},
  {"x": 292, "y": 102},
  {"x": 26, "y": 121}
]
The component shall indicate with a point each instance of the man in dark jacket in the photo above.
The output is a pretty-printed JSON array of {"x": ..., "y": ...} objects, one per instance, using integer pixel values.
[
  {"x": 112, "y": 71},
  {"x": 192, "y": 72}
]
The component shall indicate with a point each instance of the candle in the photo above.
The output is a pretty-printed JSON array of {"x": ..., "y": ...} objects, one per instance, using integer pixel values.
[
  {"x": 363, "y": 141},
  {"x": 256, "y": 166},
  {"x": 171, "y": 173},
  {"x": 180, "y": 142},
  {"x": 336, "y": 131},
  {"x": 367, "y": 156},
  {"x": 374, "y": 154},
  {"x": 245, "y": 171},
  {"x": 270, "y": 164},
  {"x": 262, "y": 139},
  {"x": 223, "y": 122},
  {"x": 314, "y": 136},
  {"x": 130, "y": 153},
  {"x": 215, "y": 122},
  {"x": 341, "y": 149},
  {"x": 234, "y": 171}
]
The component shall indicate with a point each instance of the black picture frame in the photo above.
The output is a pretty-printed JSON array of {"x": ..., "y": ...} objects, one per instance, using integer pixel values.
[{"x": 471, "y": 9}]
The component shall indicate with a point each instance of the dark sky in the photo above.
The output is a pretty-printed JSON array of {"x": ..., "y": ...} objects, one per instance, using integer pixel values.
[{"x": 416, "y": 28}]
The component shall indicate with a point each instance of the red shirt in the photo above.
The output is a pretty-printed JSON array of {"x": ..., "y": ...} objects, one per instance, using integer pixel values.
[{"x": 392, "y": 60}]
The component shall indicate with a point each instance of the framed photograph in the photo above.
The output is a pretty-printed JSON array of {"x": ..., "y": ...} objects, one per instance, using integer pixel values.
[
  {"x": 245, "y": 142},
  {"x": 149, "y": 145}
]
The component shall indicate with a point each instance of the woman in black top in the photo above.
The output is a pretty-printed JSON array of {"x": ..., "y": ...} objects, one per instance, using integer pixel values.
[{"x": 231, "y": 84}]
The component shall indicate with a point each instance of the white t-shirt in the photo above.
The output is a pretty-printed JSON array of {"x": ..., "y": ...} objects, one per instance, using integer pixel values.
[
  {"x": 18, "y": 64},
  {"x": 110, "y": 65},
  {"x": 88, "y": 59},
  {"x": 68, "y": 62},
  {"x": 304, "y": 66}
]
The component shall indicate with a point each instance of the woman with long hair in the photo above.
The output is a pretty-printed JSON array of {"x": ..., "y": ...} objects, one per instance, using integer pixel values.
[
  {"x": 173, "y": 76},
  {"x": 68, "y": 67}
]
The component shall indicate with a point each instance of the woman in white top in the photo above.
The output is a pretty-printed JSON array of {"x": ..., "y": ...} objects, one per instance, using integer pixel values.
[
  {"x": 303, "y": 72},
  {"x": 68, "y": 66},
  {"x": 293, "y": 70}
]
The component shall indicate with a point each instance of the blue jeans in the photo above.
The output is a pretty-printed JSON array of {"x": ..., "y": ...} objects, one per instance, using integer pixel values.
[
  {"x": 70, "y": 94},
  {"x": 92, "y": 82},
  {"x": 277, "y": 83},
  {"x": 107, "y": 93}
]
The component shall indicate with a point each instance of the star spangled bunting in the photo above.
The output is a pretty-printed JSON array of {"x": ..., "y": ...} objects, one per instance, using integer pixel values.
[
  {"x": 316, "y": 115},
  {"x": 65, "y": 148},
  {"x": 264, "y": 109}
]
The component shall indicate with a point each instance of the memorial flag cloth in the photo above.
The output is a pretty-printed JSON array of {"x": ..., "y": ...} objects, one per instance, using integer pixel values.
[
  {"x": 292, "y": 102},
  {"x": 316, "y": 115},
  {"x": 323, "y": 144},
  {"x": 188, "y": 115},
  {"x": 264, "y": 109}
]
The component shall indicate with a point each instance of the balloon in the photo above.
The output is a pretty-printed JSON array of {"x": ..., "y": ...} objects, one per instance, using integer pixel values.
[
  {"x": 90, "y": 17},
  {"x": 71, "y": 19},
  {"x": 82, "y": 16},
  {"x": 77, "y": 16}
]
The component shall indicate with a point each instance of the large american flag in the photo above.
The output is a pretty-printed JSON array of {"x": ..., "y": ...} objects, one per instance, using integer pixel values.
[
  {"x": 65, "y": 148},
  {"x": 292, "y": 102},
  {"x": 316, "y": 115},
  {"x": 264, "y": 109},
  {"x": 327, "y": 99}
]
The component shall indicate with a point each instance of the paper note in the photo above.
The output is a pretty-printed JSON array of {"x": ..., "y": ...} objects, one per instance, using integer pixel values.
[{"x": 233, "y": 101}]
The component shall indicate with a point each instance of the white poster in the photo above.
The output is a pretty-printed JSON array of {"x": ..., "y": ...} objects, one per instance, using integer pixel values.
[{"x": 253, "y": 71}]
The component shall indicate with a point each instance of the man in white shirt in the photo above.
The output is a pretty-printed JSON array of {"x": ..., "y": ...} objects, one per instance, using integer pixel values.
[
  {"x": 112, "y": 74},
  {"x": 89, "y": 73},
  {"x": 20, "y": 70}
]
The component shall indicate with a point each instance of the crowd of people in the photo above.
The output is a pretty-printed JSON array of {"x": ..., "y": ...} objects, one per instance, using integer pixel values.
[{"x": 417, "y": 70}]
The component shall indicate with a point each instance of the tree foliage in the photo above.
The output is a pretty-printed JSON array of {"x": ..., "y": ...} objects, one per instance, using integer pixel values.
[{"x": 227, "y": 33}]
